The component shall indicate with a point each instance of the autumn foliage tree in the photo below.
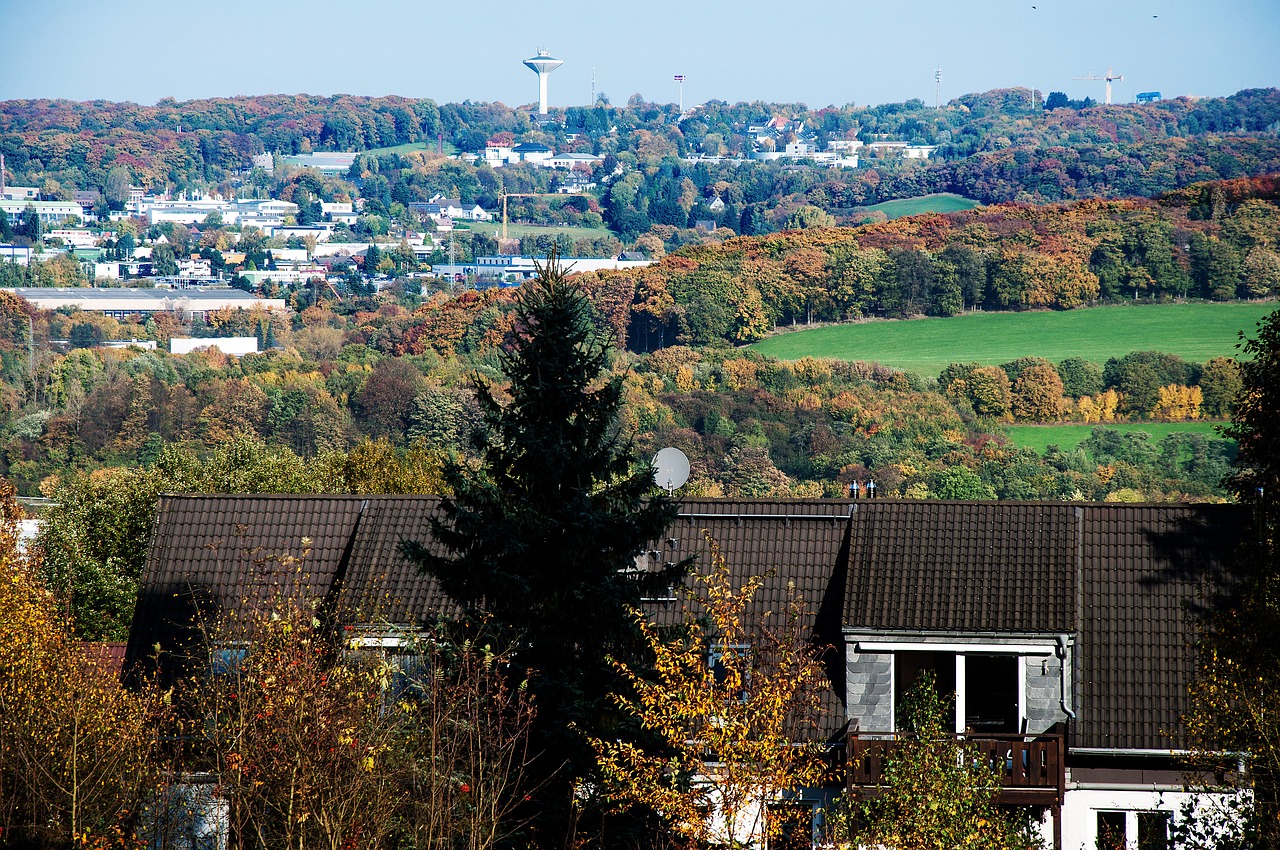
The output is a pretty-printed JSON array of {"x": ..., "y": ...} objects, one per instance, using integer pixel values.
[
  {"x": 733, "y": 700},
  {"x": 79, "y": 754},
  {"x": 1037, "y": 394},
  {"x": 935, "y": 793}
]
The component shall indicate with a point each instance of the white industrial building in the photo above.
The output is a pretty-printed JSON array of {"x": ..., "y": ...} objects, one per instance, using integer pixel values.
[
  {"x": 120, "y": 303},
  {"x": 234, "y": 346},
  {"x": 50, "y": 213}
]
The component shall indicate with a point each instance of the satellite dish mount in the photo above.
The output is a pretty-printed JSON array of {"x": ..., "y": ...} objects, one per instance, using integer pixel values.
[{"x": 670, "y": 469}]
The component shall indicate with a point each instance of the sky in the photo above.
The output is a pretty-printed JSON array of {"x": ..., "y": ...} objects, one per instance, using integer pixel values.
[{"x": 833, "y": 53}]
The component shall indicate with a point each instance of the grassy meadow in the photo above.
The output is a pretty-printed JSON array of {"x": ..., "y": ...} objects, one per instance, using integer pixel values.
[
  {"x": 410, "y": 147},
  {"x": 1067, "y": 437},
  {"x": 1194, "y": 331},
  {"x": 944, "y": 202}
]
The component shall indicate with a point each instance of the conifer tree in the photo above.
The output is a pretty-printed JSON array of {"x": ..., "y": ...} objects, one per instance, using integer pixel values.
[
  {"x": 542, "y": 535},
  {"x": 1236, "y": 694}
]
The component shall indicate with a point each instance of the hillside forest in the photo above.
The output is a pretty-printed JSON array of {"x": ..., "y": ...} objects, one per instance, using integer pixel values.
[
  {"x": 658, "y": 167},
  {"x": 398, "y": 368}
]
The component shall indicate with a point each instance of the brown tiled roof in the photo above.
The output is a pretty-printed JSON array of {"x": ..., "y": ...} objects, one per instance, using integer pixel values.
[
  {"x": 1119, "y": 577},
  {"x": 790, "y": 541},
  {"x": 1142, "y": 567},
  {"x": 792, "y": 544},
  {"x": 225, "y": 552},
  {"x": 962, "y": 566},
  {"x": 106, "y": 657}
]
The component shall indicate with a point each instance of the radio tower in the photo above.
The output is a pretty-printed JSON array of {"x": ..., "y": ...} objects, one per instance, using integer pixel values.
[
  {"x": 937, "y": 87},
  {"x": 542, "y": 65}
]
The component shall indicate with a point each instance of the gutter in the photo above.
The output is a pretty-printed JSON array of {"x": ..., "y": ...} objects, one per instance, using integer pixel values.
[
  {"x": 1062, "y": 654},
  {"x": 1120, "y": 751}
]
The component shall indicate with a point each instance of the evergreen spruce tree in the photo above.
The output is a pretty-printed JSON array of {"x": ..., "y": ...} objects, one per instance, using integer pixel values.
[
  {"x": 542, "y": 535},
  {"x": 1236, "y": 694}
]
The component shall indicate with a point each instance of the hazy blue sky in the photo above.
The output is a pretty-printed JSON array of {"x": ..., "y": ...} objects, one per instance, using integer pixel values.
[{"x": 835, "y": 52}]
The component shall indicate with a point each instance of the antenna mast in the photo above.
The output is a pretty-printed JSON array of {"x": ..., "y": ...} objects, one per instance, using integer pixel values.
[{"x": 937, "y": 87}]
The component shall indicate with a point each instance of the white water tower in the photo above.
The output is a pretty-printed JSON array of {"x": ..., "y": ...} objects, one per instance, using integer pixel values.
[{"x": 542, "y": 65}]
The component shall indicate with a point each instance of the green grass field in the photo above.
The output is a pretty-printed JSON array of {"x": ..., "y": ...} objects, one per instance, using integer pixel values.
[
  {"x": 1067, "y": 437},
  {"x": 409, "y": 147},
  {"x": 941, "y": 203},
  {"x": 1194, "y": 331},
  {"x": 515, "y": 231}
]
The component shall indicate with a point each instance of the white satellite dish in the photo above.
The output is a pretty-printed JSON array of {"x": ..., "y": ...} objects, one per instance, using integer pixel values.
[{"x": 670, "y": 469}]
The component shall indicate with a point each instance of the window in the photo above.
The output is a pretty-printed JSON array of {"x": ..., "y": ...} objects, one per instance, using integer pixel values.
[
  {"x": 1153, "y": 830},
  {"x": 1112, "y": 833},
  {"x": 226, "y": 660},
  {"x": 726, "y": 660},
  {"x": 991, "y": 694},
  {"x": 791, "y": 825},
  {"x": 909, "y": 666}
]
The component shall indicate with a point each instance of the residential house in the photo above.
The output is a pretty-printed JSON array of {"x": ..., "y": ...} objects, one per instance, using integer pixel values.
[
  {"x": 533, "y": 152},
  {"x": 87, "y": 200},
  {"x": 499, "y": 155},
  {"x": 19, "y": 193},
  {"x": 194, "y": 266},
  {"x": 1062, "y": 629},
  {"x": 339, "y": 212},
  {"x": 440, "y": 207},
  {"x": 904, "y": 149},
  {"x": 569, "y": 160}
]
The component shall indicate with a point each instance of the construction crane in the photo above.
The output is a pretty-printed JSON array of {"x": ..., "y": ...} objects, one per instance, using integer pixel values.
[
  {"x": 506, "y": 195},
  {"x": 1110, "y": 77}
]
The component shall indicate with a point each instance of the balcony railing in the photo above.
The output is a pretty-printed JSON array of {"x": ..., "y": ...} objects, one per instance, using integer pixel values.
[{"x": 1031, "y": 769}]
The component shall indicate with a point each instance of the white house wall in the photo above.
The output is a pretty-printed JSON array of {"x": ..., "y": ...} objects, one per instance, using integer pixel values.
[{"x": 1081, "y": 807}]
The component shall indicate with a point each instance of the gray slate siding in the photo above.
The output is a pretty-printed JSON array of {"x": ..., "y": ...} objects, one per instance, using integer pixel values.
[
  {"x": 1044, "y": 693},
  {"x": 869, "y": 683}
]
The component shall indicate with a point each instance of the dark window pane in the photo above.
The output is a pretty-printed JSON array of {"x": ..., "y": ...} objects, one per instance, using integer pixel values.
[
  {"x": 1111, "y": 831},
  {"x": 908, "y": 667},
  {"x": 1153, "y": 831},
  {"x": 226, "y": 661},
  {"x": 991, "y": 693},
  {"x": 791, "y": 826}
]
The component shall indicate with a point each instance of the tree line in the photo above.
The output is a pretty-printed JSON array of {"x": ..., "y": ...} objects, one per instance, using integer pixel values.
[
  {"x": 993, "y": 147},
  {"x": 1008, "y": 257}
]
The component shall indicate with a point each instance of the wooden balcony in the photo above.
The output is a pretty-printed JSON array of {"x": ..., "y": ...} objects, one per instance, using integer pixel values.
[{"x": 1031, "y": 769}]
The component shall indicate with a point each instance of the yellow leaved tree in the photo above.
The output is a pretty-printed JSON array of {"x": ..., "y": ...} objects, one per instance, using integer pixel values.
[
  {"x": 78, "y": 752},
  {"x": 733, "y": 699}
]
